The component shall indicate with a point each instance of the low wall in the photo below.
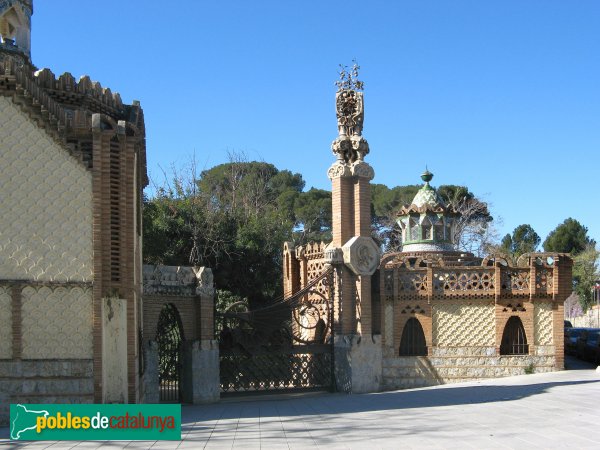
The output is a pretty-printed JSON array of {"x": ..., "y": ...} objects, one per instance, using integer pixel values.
[
  {"x": 457, "y": 364},
  {"x": 45, "y": 381},
  {"x": 591, "y": 319}
]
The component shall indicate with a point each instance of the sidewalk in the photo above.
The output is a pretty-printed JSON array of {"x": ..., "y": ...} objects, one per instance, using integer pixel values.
[{"x": 554, "y": 410}]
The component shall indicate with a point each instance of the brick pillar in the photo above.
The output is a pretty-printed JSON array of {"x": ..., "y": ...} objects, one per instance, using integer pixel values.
[
  {"x": 291, "y": 270},
  {"x": 342, "y": 208},
  {"x": 115, "y": 197},
  {"x": 562, "y": 278},
  {"x": 363, "y": 174}
]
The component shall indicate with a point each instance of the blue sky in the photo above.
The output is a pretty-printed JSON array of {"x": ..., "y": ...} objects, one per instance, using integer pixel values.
[{"x": 502, "y": 96}]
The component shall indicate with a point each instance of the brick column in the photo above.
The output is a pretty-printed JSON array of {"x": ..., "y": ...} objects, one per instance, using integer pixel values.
[
  {"x": 562, "y": 278},
  {"x": 362, "y": 227},
  {"x": 291, "y": 270},
  {"x": 342, "y": 207}
]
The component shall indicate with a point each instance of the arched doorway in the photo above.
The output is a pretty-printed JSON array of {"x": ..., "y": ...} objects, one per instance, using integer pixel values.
[
  {"x": 514, "y": 339},
  {"x": 413, "y": 339},
  {"x": 169, "y": 336}
]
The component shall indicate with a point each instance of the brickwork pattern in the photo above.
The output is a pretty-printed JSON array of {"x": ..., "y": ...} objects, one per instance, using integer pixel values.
[
  {"x": 543, "y": 323},
  {"x": 463, "y": 324},
  {"x": 507, "y": 308},
  {"x": 5, "y": 322},
  {"x": 50, "y": 239},
  {"x": 153, "y": 305},
  {"x": 56, "y": 322},
  {"x": 405, "y": 310}
]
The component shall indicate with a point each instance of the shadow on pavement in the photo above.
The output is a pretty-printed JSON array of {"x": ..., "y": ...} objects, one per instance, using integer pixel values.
[{"x": 397, "y": 400}]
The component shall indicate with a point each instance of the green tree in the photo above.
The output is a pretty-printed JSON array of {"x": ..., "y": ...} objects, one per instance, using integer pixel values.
[
  {"x": 571, "y": 237},
  {"x": 524, "y": 239},
  {"x": 312, "y": 210},
  {"x": 568, "y": 237},
  {"x": 474, "y": 230},
  {"x": 585, "y": 274},
  {"x": 233, "y": 218}
]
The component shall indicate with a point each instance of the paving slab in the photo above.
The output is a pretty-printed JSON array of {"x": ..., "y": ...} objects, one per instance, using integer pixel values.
[{"x": 550, "y": 410}]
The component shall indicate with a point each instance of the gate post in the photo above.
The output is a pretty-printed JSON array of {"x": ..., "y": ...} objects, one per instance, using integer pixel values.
[
  {"x": 200, "y": 377},
  {"x": 150, "y": 377},
  {"x": 357, "y": 352}
]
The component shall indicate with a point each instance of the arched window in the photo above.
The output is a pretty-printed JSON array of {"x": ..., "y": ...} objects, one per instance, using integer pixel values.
[
  {"x": 414, "y": 230},
  {"x": 427, "y": 229},
  {"x": 438, "y": 231},
  {"x": 514, "y": 340},
  {"x": 413, "y": 339}
]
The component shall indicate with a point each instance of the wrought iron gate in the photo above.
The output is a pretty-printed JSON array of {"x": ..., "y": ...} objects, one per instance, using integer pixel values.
[
  {"x": 287, "y": 345},
  {"x": 169, "y": 336}
]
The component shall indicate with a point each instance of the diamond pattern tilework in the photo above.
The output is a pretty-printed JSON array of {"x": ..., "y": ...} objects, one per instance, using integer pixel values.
[
  {"x": 543, "y": 323},
  {"x": 463, "y": 325},
  {"x": 5, "y": 323},
  {"x": 57, "y": 323},
  {"x": 46, "y": 225}
]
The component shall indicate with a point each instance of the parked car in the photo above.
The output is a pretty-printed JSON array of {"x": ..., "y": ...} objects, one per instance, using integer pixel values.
[
  {"x": 571, "y": 337},
  {"x": 588, "y": 345},
  {"x": 568, "y": 324}
]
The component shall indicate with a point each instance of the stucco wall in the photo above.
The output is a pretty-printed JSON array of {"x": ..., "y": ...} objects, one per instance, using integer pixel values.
[
  {"x": 542, "y": 316},
  {"x": 57, "y": 322},
  {"x": 47, "y": 234},
  {"x": 5, "y": 323},
  {"x": 464, "y": 346},
  {"x": 463, "y": 324}
]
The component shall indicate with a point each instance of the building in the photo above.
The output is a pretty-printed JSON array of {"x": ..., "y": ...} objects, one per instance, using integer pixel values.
[
  {"x": 73, "y": 167},
  {"x": 429, "y": 314}
]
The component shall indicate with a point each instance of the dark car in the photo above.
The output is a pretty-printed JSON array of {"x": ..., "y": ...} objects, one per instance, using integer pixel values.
[
  {"x": 588, "y": 345},
  {"x": 568, "y": 324},
  {"x": 571, "y": 337}
]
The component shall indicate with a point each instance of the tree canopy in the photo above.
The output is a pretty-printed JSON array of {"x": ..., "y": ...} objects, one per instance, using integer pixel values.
[
  {"x": 524, "y": 239},
  {"x": 571, "y": 237},
  {"x": 568, "y": 237},
  {"x": 236, "y": 216}
]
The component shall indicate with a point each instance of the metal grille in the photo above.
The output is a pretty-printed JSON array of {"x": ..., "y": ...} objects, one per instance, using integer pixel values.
[
  {"x": 169, "y": 336},
  {"x": 514, "y": 340},
  {"x": 298, "y": 368},
  {"x": 287, "y": 345}
]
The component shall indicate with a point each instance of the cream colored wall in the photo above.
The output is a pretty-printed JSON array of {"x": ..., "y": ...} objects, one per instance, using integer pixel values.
[
  {"x": 46, "y": 224},
  {"x": 5, "y": 323},
  {"x": 459, "y": 324},
  {"x": 542, "y": 317},
  {"x": 114, "y": 350},
  {"x": 57, "y": 322}
]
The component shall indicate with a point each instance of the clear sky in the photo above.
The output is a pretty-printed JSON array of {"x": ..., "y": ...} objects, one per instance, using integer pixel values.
[{"x": 502, "y": 96}]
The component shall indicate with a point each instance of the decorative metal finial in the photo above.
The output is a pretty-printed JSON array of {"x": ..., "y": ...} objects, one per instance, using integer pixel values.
[
  {"x": 349, "y": 78},
  {"x": 426, "y": 176}
]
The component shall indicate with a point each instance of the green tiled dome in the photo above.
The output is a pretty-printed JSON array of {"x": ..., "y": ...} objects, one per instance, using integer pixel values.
[{"x": 427, "y": 223}]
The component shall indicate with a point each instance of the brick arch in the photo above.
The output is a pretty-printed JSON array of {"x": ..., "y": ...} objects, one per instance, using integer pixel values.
[
  {"x": 512, "y": 347},
  {"x": 401, "y": 320},
  {"x": 504, "y": 311},
  {"x": 153, "y": 306}
]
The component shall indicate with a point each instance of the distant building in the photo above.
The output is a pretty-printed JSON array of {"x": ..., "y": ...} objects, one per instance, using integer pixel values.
[{"x": 72, "y": 171}]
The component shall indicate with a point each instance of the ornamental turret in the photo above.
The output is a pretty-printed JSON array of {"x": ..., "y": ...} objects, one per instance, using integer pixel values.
[
  {"x": 15, "y": 29},
  {"x": 427, "y": 224}
]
